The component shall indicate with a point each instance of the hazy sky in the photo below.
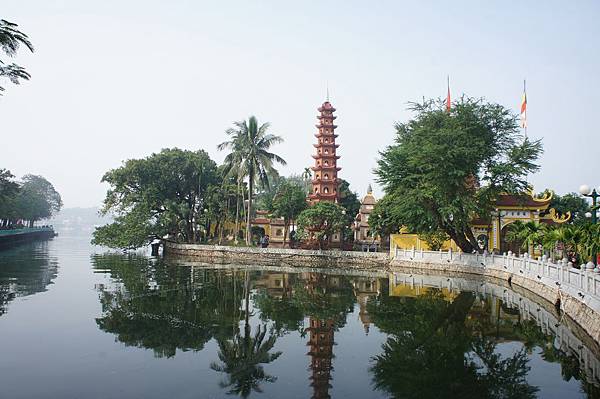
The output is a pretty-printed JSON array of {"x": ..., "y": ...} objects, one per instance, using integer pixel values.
[{"x": 119, "y": 79}]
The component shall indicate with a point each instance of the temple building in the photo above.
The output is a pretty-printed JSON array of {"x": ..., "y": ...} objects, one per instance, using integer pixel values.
[
  {"x": 324, "y": 182},
  {"x": 490, "y": 232}
]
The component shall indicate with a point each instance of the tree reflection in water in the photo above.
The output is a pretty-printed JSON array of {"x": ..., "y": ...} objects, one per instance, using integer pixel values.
[
  {"x": 434, "y": 352},
  {"x": 26, "y": 269},
  {"x": 440, "y": 344},
  {"x": 242, "y": 357},
  {"x": 165, "y": 308}
]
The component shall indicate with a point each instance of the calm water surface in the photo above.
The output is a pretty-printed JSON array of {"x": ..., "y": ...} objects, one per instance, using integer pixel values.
[{"x": 79, "y": 322}]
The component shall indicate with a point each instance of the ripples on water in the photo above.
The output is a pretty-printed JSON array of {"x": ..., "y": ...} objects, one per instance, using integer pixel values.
[{"x": 213, "y": 332}]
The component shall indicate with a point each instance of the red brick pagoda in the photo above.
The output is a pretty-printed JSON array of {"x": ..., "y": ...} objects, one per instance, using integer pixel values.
[{"x": 325, "y": 183}]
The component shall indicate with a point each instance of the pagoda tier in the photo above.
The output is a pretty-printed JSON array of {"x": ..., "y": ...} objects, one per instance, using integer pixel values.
[
  {"x": 325, "y": 126},
  {"x": 326, "y": 109},
  {"x": 330, "y": 156},
  {"x": 330, "y": 145},
  {"x": 327, "y": 117},
  {"x": 319, "y": 180},
  {"x": 328, "y": 135}
]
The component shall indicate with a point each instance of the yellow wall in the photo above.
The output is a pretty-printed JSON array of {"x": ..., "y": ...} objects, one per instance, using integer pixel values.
[{"x": 410, "y": 241}]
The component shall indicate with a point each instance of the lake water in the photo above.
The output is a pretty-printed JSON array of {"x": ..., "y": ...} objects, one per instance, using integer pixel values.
[{"x": 79, "y": 322}]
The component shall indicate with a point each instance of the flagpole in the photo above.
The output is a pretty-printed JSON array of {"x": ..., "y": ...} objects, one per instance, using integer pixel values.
[
  {"x": 448, "y": 103},
  {"x": 525, "y": 94}
]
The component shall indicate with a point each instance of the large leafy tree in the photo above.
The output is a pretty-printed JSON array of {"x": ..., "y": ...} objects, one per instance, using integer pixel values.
[
  {"x": 32, "y": 199},
  {"x": 289, "y": 201},
  {"x": 165, "y": 193},
  {"x": 37, "y": 199},
  {"x": 447, "y": 167},
  {"x": 249, "y": 157},
  {"x": 321, "y": 221},
  {"x": 11, "y": 39}
]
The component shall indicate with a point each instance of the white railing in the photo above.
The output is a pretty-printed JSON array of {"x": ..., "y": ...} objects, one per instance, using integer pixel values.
[{"x": 583, "y": 284}]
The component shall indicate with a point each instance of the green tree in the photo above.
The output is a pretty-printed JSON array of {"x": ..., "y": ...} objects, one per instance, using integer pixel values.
[
  {"x": 434, "y": 239},
  {"x": 249, "y": 157},
  {"x": 165, "y": 193},
  {"x": 9, "y": 189},
  {"x": 321, "y": 221},
  {"x": 11, "y": 40},
  {"x": 348, "y": 199},
  {"x": 37, "y": 199},
  {"x": 289, "y": 201},
  {"x": 307, "y": 177},
  {"x": 529, "y": 234},
  {"x": 573, "y": 203},
  {"x": 447, "y": 167}
]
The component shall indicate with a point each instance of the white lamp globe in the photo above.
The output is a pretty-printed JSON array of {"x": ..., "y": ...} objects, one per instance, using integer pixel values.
[
  {"x": 588, "y": 215},
  {"x": 584, "y": 189}
]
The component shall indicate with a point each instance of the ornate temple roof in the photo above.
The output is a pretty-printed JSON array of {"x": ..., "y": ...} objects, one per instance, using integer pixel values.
[{"x": 524, "y": 201}]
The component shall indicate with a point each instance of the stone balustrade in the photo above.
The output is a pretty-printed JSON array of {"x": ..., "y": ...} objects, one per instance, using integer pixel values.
[{"x": 583, "y": 284}]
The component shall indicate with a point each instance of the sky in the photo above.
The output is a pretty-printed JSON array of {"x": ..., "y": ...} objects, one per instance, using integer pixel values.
[{"x": 120, "y": 79}]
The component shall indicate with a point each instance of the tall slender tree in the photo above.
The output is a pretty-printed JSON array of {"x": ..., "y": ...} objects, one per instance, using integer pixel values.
[{"x": 249, "y": 157}]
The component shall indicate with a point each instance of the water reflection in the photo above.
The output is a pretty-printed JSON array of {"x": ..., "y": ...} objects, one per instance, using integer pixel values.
[
  {"x": 25, "y": 270},
  {"x": 434, "y": 341}
]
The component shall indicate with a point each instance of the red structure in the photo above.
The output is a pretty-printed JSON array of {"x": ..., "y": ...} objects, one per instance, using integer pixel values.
[{"x": 324, "y": 182}]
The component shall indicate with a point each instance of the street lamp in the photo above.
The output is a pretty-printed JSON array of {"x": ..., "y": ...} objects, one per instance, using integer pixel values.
[{"x": 586, "y": 191}]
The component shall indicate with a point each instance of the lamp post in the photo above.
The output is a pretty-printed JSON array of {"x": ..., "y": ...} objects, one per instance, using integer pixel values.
[{"x": 586, "y": 191}]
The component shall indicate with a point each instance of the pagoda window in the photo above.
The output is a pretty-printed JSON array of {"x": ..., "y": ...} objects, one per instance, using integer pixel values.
[
  {"x": 316, "y": 189},
  {"x": 326, "y": 141},
  {"x": 326, "y": 176},
  {"x": 326, "y": 151},
  {"x": 326, "y": 190},
  {"x": 326, "y": 163}
]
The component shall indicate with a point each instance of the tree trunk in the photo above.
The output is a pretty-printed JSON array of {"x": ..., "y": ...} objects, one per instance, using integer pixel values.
[
  {"x": 471, "y": 237},
  {"x": 286, "y": 225},
  {"x": 250, "y": 189},
  {"x": 237, "y": 212},
  {"x": 460, "y": 240}
]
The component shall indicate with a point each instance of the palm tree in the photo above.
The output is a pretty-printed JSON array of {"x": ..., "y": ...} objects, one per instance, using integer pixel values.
[
  {"x": 307, "y": 175},
  {"x": 249, "y": 157},
  {"x": 10, "y": 41},
  {"x": 529, "y": 233}
]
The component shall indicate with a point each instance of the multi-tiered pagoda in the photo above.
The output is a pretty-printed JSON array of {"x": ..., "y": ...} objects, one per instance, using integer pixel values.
[{"x": 325, "y": 183}]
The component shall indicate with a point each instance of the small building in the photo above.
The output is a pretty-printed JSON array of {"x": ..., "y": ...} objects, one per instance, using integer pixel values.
[
  {"x": 363, "y": 238},
  {"x": 272, "y": 227}
]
